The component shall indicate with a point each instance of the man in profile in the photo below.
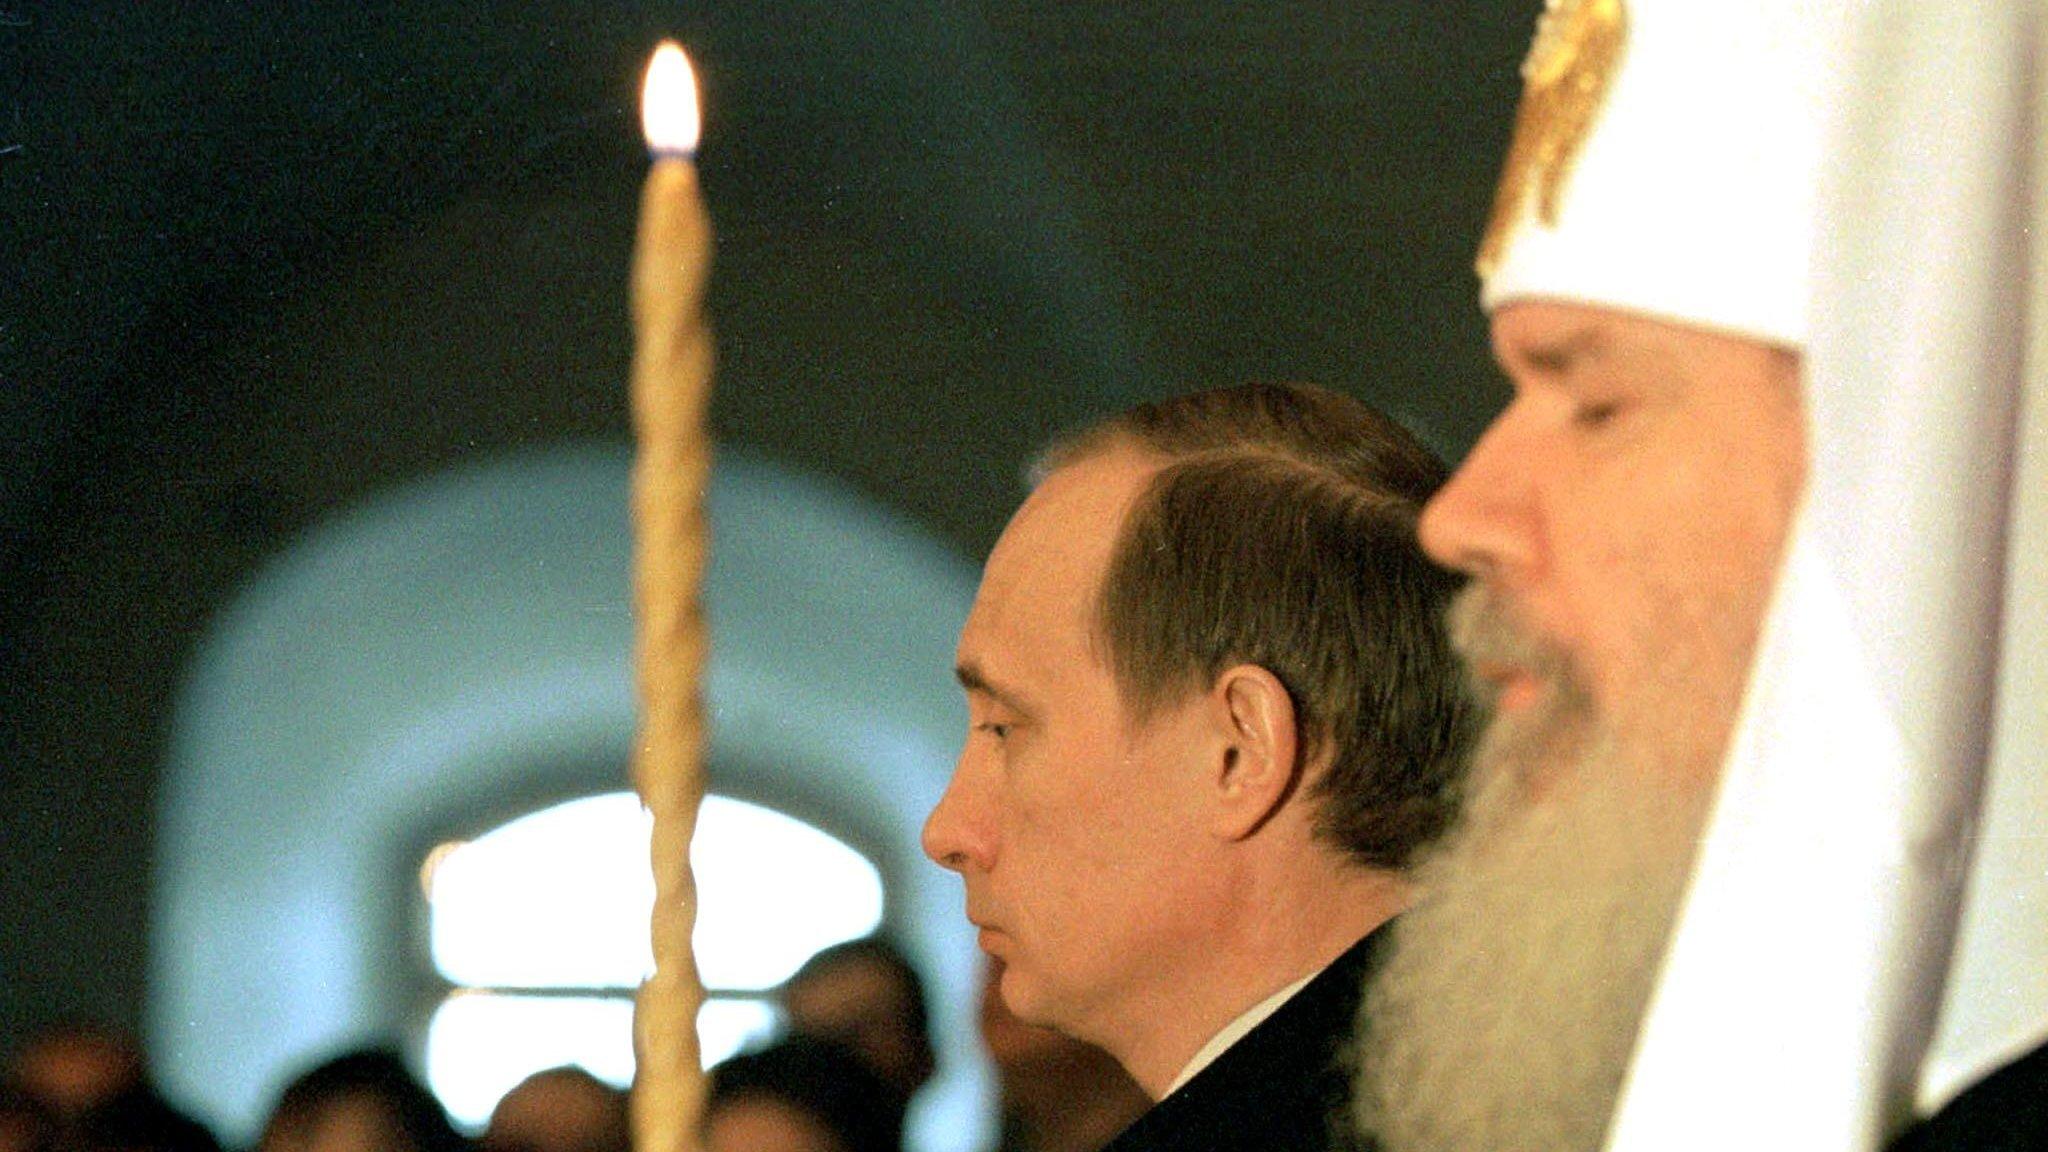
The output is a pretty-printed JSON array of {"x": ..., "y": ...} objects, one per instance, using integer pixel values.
[
  {"x": 1212, "y": 716},
  {"x": 1623, "y": 522}
]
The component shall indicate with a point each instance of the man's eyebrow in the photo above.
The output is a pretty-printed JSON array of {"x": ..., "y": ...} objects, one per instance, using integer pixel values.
[{"x": 974, "y": 680}]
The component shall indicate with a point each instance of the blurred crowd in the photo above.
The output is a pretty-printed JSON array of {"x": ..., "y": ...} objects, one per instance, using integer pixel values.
[{"x": 839, "y": 1077}]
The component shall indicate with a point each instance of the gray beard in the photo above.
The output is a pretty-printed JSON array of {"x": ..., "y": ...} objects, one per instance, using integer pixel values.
[{"x": 1505, "y": 1015}]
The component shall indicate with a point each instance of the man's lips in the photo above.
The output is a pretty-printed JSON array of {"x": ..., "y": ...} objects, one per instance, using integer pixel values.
[
  {"x": 984, "y": 923},
  {"x": 987, "y": 934}
]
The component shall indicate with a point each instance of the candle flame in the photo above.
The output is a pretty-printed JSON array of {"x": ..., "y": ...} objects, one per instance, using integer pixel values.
[{"x": 668, "y": 102}]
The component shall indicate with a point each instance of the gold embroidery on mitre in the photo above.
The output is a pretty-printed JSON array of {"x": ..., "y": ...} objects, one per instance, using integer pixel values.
[{"x": 1566, "y": 76}]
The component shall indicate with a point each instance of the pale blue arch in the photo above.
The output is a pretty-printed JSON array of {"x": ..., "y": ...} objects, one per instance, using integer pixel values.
[{"x": 461, "y": 647}]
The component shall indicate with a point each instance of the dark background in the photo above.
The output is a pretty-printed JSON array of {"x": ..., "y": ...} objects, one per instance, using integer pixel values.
[{"x": 258, "y": 261}]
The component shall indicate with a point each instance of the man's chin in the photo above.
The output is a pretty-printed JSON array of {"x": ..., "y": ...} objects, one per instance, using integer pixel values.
[
  {"x": 1531, "y": 745},
  {"x": 1022, "y": 996}
]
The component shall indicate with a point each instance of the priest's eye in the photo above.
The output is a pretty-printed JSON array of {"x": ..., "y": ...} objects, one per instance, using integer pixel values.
[
  {"x": 1593, "y": 415},
  {"x": 994, "y": 729}
]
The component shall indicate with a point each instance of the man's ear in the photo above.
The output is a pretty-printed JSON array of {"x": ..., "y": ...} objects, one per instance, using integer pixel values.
[{"x": 1261, "y": 762}]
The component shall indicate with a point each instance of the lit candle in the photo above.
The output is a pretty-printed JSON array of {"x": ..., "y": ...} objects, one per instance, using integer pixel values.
[{"x": 671, "y": 388}]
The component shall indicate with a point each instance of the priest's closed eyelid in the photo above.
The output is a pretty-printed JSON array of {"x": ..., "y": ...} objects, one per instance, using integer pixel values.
[
  {"x": 1596, "y": 414},
  {"x": 1597, "y": 396}
]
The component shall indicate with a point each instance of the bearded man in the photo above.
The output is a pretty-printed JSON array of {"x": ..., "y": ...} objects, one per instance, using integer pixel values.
[{"x": 1623, "y": 522}]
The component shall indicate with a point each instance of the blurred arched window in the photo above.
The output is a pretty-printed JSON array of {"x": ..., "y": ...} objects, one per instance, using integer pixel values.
[{"x": 540, "y": 928}]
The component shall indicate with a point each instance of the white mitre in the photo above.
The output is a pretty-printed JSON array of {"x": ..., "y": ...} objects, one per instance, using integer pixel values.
[{"x": 1682, "y": 139}]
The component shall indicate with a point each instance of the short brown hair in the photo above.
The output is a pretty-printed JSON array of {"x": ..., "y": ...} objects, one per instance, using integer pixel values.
[{"x": 1281, "y": 532}]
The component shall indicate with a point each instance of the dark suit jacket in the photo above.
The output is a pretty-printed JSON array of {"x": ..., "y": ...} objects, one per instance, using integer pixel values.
[
  {"x": 1281, "y": 1088},
  {"x": 2006, "y": 1111}
]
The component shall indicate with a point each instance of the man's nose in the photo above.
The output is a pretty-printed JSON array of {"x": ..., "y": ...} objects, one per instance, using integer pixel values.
[
  {"x": 956, "y": 833},
  {"x": 1484, "y": 520}
]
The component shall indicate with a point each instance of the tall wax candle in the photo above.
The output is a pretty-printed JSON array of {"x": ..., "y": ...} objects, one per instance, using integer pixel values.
[{"x": 670, "y": 391}]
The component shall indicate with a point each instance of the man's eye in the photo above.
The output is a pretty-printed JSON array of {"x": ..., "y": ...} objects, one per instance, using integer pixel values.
[{"x": 993, "y": 728}]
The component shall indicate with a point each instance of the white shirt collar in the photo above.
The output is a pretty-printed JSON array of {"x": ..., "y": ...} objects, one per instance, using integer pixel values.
[{"x": 1235, "y": 1031}]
